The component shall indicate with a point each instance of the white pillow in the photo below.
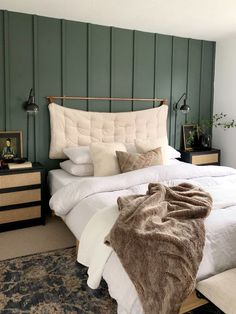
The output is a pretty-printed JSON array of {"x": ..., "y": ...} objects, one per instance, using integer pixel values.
[
  {"x": 104, "y": 158},
  {"x": 169, "y": 152},
  {"x": 78, "y": 154},
  {"x": 144, "y": 146},
  {"x": 172, "y": 153},
  {"x": 82, "y": 170}
]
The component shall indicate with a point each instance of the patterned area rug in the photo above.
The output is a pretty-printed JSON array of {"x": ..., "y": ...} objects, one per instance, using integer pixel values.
[{"x": 49, "y": 283}]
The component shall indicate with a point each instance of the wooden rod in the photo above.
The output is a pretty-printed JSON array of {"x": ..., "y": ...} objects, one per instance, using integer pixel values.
[{"x": 161, "y": 100}]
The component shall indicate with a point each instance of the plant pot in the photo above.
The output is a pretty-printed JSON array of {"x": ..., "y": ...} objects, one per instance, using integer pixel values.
[{"x": 205, "y": 141}]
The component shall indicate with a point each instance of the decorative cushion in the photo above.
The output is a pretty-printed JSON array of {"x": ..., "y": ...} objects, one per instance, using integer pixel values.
[
  {"x": 71, "y": 127},
  {"x": 104, "y": 158},
  {"x": 81, "y": 170},
  {"x": 130, "y": 162},
  {"x": 144, "y": 146}
]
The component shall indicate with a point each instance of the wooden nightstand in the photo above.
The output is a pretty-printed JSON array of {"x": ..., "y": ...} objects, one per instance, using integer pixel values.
[
  {"x": 22, "y": 197},
  {"x": 201, "y": 157}
]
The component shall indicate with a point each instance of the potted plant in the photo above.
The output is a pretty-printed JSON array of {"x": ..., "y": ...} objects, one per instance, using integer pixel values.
[{"x": 205, "y": 128}]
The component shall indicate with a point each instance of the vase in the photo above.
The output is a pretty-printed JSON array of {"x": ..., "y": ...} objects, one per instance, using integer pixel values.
[{"x": 206, "y": 141}]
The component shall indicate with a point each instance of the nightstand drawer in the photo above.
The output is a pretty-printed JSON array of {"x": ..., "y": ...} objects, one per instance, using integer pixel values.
[
  {"x": 21, "y": 179},
  {"x": 205, "y": 159},
  {"x": 7, "y": 216},
  {"x": 26, "y": 196}
]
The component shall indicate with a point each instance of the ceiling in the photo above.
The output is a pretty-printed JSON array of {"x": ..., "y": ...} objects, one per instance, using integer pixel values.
[{"x": 200, "y": 19}]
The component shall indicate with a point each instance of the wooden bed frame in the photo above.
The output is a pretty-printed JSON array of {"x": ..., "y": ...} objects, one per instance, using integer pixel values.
[{"x": 192, "y": 302}]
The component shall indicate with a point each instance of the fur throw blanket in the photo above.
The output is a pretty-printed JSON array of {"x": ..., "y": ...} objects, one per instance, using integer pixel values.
[{"x": 159, "y": 238}]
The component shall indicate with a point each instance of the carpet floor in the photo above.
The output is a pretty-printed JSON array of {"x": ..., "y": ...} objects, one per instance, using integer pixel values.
[
  {"x": 21, "y": 242},
  {"x": 53, "y": 282}
]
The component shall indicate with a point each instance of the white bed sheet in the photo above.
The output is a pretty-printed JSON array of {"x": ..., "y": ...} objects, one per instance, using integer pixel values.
[{"x": 58, "y": 178}]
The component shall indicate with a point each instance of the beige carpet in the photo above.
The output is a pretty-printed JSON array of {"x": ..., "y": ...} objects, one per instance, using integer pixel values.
[{"x": 54, "y": 235}]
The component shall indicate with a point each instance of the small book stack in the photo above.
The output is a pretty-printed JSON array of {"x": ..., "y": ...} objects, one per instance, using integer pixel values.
[{"x": 15, "y": 165}]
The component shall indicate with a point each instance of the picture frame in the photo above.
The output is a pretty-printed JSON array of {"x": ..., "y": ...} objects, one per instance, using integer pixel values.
[
  {"x": 190, "y": 136},
  {"x": 11, "y": 145}
]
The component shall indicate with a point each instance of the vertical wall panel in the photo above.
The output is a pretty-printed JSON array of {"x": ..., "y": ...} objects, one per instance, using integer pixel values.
[
  {"x": 7, "y": 110},
  {"x": 144, "y": 68},
  {"x": 20, "y": 70},
  {"x": 179, "y": 85},
  {"x": 208, "y": 49},
  {"x": 163, "y": 70},
  {"x": 64, "y": 57},
  {"x": 49, "y": 65},
  {"x": 122, "y": 68},
  {"x": 194, "y": 79},
  {"x": 75, "y": 80},
  {"x": 2, "y": 93},
  {"x": 99, "y": 66}
]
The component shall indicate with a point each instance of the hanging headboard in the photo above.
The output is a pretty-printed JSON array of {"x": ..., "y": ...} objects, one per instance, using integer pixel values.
[{"x": 72, "y": 127}]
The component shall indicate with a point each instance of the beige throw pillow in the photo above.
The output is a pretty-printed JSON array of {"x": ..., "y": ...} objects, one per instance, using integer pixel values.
[
  {"x": 130, "y": 162},
  {"x": 143, "y": 146},
  {"x": 104, "y": 158}
]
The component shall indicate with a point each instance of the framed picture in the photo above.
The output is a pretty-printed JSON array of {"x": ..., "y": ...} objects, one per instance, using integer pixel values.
[
  {"x": 11, "y": 145},
  {"x": 190, "y": 136}
]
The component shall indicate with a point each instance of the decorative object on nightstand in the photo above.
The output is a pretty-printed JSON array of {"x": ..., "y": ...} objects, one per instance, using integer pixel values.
[
  {"x": 22, "y": 194},
  {"x": 32, "y": 109},
  {"x": 183, "y": 108},
  {"x": 11, "y": 145},
  {"x": 201, "y": 157},
  {"x": 11, "y": 151},
  {"x": 218, "y": 120},
  {"x": 190, "y": 137}
]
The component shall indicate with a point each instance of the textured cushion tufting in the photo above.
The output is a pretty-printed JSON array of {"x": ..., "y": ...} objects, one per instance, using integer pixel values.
[{"x": 71, "y": 127}]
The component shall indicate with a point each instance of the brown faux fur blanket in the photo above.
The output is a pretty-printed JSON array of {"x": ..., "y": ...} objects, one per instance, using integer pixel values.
[{"x": 159, "y": 238}]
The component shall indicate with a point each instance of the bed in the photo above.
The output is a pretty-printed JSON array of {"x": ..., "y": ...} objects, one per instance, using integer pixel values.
[{"x": 83, "y": 203}]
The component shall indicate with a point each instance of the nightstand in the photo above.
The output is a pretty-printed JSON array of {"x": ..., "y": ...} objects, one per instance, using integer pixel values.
[
  {"x": 201, "y": 157},
  {"x": 22, "y": 197}
]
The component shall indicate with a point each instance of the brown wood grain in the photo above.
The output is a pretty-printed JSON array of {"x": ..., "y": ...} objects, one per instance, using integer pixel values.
[
  {"x": 192, "y": 302},
  {"x": 205, "y": 159},
  {"x": 20, "y": 179},
  {"x": 19, "y": 214},
  {"x": 20, "y": 197}
]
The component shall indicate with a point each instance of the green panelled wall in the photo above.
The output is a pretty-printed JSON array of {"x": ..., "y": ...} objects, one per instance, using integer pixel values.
[{"x": 59, "y": 57}]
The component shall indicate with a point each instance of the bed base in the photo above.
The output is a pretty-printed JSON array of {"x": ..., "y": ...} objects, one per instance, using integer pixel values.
[{"x": 192, "y": 302}]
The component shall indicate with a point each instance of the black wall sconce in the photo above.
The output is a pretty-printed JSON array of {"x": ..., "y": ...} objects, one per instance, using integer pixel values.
[
  {"x": 184, "y": 108},
  {"x": 32, "y": 109}
]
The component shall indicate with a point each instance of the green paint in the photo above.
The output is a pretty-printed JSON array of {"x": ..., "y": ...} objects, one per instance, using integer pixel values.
[
  {"x": 143, "y": 69},
  {"x": 121, "y": 68},
  {"x": 59, "y": 57},
  {"x": 194, "y": 79},
  {"x": 2, "y": 78},
  {"x": 179, "y": 83}
]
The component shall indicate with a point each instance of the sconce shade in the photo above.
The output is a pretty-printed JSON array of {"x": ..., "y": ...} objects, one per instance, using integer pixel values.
[
  {"x": 184, "y": 108},
  {"x": 31, "y": 106}
]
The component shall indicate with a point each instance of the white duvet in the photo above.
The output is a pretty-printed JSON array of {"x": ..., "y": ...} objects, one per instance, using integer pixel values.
[{"x": 99, "y": 195}]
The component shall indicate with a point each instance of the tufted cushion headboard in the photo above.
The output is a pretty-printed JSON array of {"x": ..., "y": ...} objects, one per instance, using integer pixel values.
[{"x": 72, "y": 127}]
